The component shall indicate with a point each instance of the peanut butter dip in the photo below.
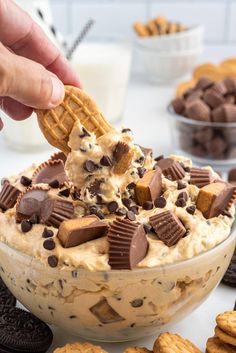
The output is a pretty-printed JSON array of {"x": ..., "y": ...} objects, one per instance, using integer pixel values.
[{"x": 99, "y": 187}]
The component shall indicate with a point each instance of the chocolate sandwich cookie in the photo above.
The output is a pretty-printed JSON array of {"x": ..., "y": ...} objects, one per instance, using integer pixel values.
[
  {"x": 230, "y": 275},
  {"x": 22, "y": 332},
  {"x": 6, "y": 297}
]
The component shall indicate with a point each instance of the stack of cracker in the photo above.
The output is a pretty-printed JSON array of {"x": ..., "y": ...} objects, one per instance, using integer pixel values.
[{"x": 224, "y": 340}]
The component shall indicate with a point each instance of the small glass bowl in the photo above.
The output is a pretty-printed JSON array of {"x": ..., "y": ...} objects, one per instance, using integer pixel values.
[{"x": 204, "y": 142}]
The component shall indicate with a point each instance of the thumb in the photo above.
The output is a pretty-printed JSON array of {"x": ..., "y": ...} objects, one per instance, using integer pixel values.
[{"x": 28, "y": 82}]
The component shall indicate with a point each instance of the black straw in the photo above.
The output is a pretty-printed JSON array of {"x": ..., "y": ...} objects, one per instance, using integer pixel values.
[{"x": 80, "y": 38}]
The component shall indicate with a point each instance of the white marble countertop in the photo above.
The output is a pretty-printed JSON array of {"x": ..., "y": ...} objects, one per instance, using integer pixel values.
[{"x": 146, "y": 115}]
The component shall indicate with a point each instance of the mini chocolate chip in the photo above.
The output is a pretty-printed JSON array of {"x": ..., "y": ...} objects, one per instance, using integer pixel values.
[
  {"x": 147, "y": 227},
  {"x": 52, "y": 261},
  {"x": 85, "y": 133},
  {"x": 65, "y": 192},
  {"x": 131, "y": 186},
  {"x": 26, "y": 226},
  {"x": 126, "y": 130},
  {"x": 47, "y": 233},
  {"x": 94, "y": 210},
  {"x": 106, "y": 161},
  {"x": 121, "y": 211},
  {"x": 183, "y": 195},
  {"x": 140, "y": 160},
  {"x": 127, "y": 202},
  {"x": 160, "y": 202},
  {"x": 90, "y": 166},
  {"x": 99, "y": 199},
  {"x": 141, "y": 171},
  {"x": 180, "y": 202},
  {"x": 34, "y": 219},
  {"x": 112, "y": 206},
  {"x": 49, "y": 244},
  {"x": 148, "y": 205},
  {"x": 134, "y": 209},
  {"x": 54, "y": 184},
  {"x": 180, "y": 185},
  {"x": 130, "y": 215},
  {"x": 76, "y": 194},
  {"x": 136, "y": 303},
  {"x": 25, "y": 181},
  {"x": 158, "y": 158},
  {"x": 191, "y": 209}
]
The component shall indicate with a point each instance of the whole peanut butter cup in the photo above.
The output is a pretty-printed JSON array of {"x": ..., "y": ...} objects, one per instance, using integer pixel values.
[
  {"x": 50, "y": 172},
  {"x": 30, "y": 202},
  {"x": 128, "y": 244},
  {"x": 168, "y": 227}
]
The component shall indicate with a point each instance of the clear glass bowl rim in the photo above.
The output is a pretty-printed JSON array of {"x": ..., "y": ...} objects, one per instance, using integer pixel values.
[
  {"x": 199, "y": 123},
  {"x": 138, "y": 271}
]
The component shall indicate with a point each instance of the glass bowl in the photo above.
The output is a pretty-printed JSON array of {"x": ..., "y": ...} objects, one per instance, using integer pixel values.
[
  {"x": 114, "y": 306},
  {"x": 204, "y": 142}
]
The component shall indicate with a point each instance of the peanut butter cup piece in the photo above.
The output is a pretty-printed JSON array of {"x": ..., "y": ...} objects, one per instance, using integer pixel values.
[
  {"x": 213, "y": 99},
  {"x": 224, "y": 113},
  {"x": 128, "y": 244},
  {"x": 30, "y": 203},
  {"x": 230, "y": 85},
  {"x": 168, "y": 227},
  {"x": 200, "y": 177},
  {"x": 149, "y": 187},
  {"x": 78, "y": 231},
  {"x": 171, "y": 169},
  {"x": 104, "y": 312},
  {"x": 198, "y": 110},
  {"x": 55, "y": 211},
  {"x": 178, "y": 105},
  {"x": 50, "y": 172},
  {"x": 8, "y": 196},
  {"x": 204, "y": 83},
  {"x": 215, "y": 198},
  {"x": 122, "y": 156}
]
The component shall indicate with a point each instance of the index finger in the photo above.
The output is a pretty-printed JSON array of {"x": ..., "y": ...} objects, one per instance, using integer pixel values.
[{"x": 27, "y": 39}]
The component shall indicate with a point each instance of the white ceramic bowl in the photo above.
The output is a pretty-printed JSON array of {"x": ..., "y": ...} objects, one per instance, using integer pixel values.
[
  {"x": 187, "y": 40},
  {"x": 166, "y": 67}
]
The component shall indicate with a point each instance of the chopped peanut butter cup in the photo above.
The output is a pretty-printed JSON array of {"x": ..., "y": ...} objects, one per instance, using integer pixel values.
[
  {"x": 200, "y": 177},
  {"x": 30, "y": 203},
  {"x": 122, "y": 156},
  {"x": 78, "y": 231},
  {"x": 55, "y": 211},
  {"x": 49, "y": 172},
  {"x": 8, "y": 196},
  {"x": 149, "y": 187},
  {"x": 215, "y": 198},
  {"x": 58, "y": 156},
  {"x": 128, "y": 244},
  {"x": 171, "y": 169},
  {"x": 168, "y": 227}
]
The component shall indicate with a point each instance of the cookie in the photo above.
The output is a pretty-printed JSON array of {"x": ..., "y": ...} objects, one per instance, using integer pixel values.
[
  {"x": 137, "y": 350},
  {"x": 79, "y": 348},
  {"x": 20, "y": 331},
  {"x": 224, "y": 337},
  {"x": 6, "y": 297},
  {"x": 173, "y": 343},
  {"x": 141, "y": 29},
  {"x": 230, "y": 275},
  {"x": 227, "y": 322},
  {"x": 214, "y": 345}
]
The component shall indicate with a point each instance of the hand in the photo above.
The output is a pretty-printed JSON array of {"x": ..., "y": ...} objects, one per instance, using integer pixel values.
[{"x": 32, "y": 69}]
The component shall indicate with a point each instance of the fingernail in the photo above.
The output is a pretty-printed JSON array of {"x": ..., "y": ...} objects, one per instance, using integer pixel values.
[{"x": 58, "y": 91}]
